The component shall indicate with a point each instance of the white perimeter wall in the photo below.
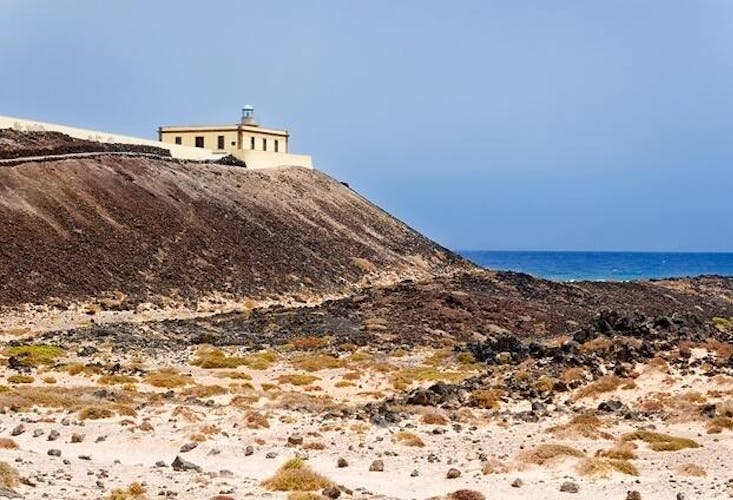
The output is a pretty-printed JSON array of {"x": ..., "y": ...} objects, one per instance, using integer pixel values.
[
  {"x": 184, "y": 152},
  {"x": 269, "y": 159}
]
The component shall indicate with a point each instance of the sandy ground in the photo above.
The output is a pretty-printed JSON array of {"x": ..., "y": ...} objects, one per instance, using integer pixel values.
[{"x": 139, "y": 447}]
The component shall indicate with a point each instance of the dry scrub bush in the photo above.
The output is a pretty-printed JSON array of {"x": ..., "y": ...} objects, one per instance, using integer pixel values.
[
  {"x": 35, "y": 355},
  {"x": 168, "y": 378},
  {"x": 132, "y": 492},
  {"x": 256, "y": 420},
  {"x": 598, "y": 467},
  {"x": 186, "y": 414},
  {"x": 72, "y": 399},
  {"x": 21, "y": 379},
  {"x": 204, "y": 391},
  {"x": 494, "y": 466},
  {"x": 304, "y": 495},
  {"x": 210, "y": 357},
  {"x": 433, "y": 418},
  {"x": 486, "y": 398},
  {"x": 9, "y": 476},
  {"x": 234, "y": 375},
  {"x": 49, "y": 379},
  {"x": 81, "y": 368},
  {"x": 607, "y": 383},
  {"x": 314, "y": 362},
  {"x": 466, "y": 495},
  {"x": 587, "y": 426},
  {"x": 295, "y": 475},
  {"x": 690, "y": 469},
  {"x": 344, "y": 383},
  {"x": 310, "y": 342},
  {"x": 718, "y": 424},
  {"x": 660, "y": 442},
  {"x": 408, "y": 439},
  {"x": 597, "y": 344},
  {"x": 95, "y": 413},
  {"x": 116, "y": 379},
  {"x": 545, "y": 453},
  {"x": 297, "y": 379},
  {"x": 622, "y": 450},
  {"x": 363, "y": 264},
  {"x": 8, "y": 444},
  {"x": 314, "y": 445}
]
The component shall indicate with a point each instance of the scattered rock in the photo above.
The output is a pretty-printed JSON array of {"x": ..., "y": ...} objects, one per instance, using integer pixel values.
[
  {"x": 180, "y": 464},
  {"x": 18, "y": 430},
  {"x": 54, "y": 452},
  {"x": 414, "y": 473},
  {"x": 53, "y": 435},
  {"x": 248, "y": 451},
  {"x": 188, "y": 447},
  {"x": 77, "y": 437},
  {"x": 331, "y": 492},
  {"x": 377, "y": 466},
  {"x": 517, "y": 483},
  {"x": 633, "y": 495},
  {"x": 453, "y": 473},
  {"x": 38, "y": 433},
  {"x": 9, "y": 493},
  {"x": 341, "y": 463},
  {"x": 569, "y": 487},
  {"x": 295, "y": 440}
]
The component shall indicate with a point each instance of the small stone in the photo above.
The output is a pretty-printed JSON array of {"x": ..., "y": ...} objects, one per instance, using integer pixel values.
[
  {"x": 53, "y": 435},
  {"x": 9, "y": 493},
  {"x": 54, "y": 452},
  {"x": 77, "y": 437},
  {"x": 569, "y": 487},
  {"x": 341, "y": 463},
  {"x": 377, "y": 466},
  {"x": 248, "y": 451},
  {"x": 67, "y": 461},
  {"x": 681, "y": 496},
  {"x": 84, "y": 457},
  {"x": 180, "y": 464},
  {"x": 100, "y": 439},
  {"x": 38, "y": 433},
  {"x": 214, "y": 451},
  {"x": 18, "y": 430},
  {"x": 453, "y": 473},
  {"x": 188, "y": 447},
  {"x": 633, "y": 495},
  {"x": 331, "y": 492},
  {"x": 271, "y": 454},
  {"x": 414, "y": 473},
  {"x": 295, "y": 440},
  {"x": 517, "y": 483}
]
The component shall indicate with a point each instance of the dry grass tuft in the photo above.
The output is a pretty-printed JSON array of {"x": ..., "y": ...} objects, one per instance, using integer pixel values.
[
  {"x": 297, "y": 379},
  {"x": 660, "y": 442},
  {"x": 295, "y": 475},
  {"x": 623, "y": 450},
  {"x": 256, "y": 420},
  {"x": 433, "y": 418},
  {"x": 607, "y": 383},
  {"x": 494, "y": 466},
  {"x": 234, "y": 375},
  {"x": 310, "y": 342},
  {"x": 204, "y": 391},
  {"x": 544, "y": 453},
  {"x": 718, "y": 424},
  {"x": 35, "y": 355},
  {"x": 314, "y": 445},
  {"x": 134, "y": 491},
  {"x": 314, "y": 362},
  {"x": 8, "y": 444},
  {"x": 690, "y": 469},
  {"x": 168, "y": 378},
  {"x": 9, "y": 476},
  {"x": 587, "y": 426},
  {"x": 20, "y": 379},
  {"x": 305, "y": 495},
  {"x": 210, "y": 357},
  {"x": 408, "y": 439},
  {"x": 116, "y": 379},
  {"x": 466, "y": 495},
  {"x": 95, "y": 413},
  {"x": 486, "y": 398}
]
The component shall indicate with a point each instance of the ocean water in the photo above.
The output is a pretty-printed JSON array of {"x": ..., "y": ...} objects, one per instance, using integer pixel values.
[{"x": 607, "y": 266}]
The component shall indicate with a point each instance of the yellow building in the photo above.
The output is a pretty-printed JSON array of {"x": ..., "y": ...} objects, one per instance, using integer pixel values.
[{"x": 257, "y": 146}]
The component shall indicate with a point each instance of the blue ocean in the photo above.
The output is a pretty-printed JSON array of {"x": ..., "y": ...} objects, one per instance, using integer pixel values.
[{"x": 604, "y": 266}]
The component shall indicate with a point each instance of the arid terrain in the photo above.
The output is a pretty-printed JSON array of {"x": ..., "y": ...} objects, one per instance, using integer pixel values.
[{"x": 199, "y": 331}]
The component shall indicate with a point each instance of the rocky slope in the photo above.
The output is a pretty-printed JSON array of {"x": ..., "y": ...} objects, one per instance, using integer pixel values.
[{"x": 142, "y": 229}]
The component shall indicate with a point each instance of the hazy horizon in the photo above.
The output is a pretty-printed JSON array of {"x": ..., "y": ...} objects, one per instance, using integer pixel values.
[{"x": 487, "y": 125}]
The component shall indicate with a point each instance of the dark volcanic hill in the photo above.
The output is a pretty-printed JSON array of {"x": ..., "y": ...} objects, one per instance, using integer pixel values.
[{"x": 80, "y": 228}]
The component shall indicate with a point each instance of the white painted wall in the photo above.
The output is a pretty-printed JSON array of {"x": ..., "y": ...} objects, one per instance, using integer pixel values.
[
  {"x": 269, "y": 159},
  {"x": 183, "y": 152}
]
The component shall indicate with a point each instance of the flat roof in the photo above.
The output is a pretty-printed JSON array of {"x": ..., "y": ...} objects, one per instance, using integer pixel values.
[{"x": 222, "y": 128}]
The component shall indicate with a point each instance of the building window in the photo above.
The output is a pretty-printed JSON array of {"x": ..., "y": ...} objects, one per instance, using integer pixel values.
[
  {"x": 234, "y": 143},
  {"x": 199, "y": 141},
  {"x": 179, "y": 140},
  {"x": 277, "y": 146},
  {"x": 251, "y": 143},
  {"x": 264, "y": 144},
  {"x": 220, "y": 142}
]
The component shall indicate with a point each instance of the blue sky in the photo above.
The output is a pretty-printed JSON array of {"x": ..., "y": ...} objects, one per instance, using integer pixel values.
[{"x": 579, "y": 125}]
